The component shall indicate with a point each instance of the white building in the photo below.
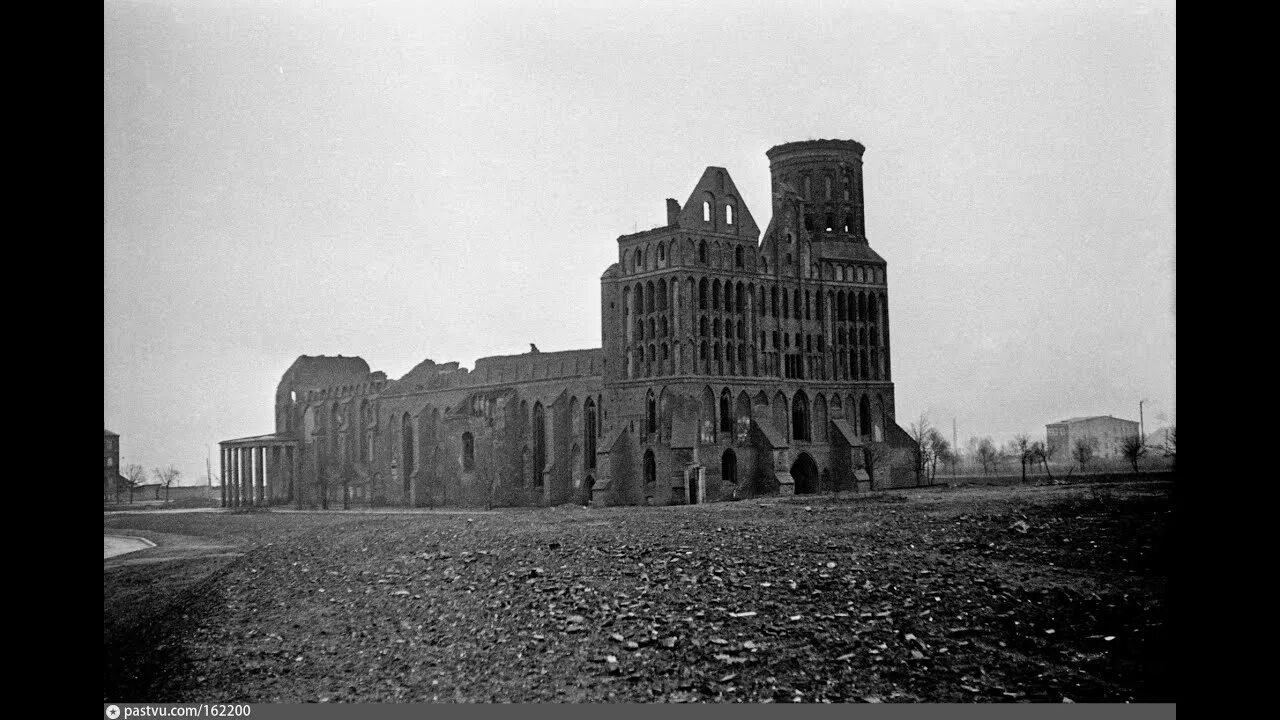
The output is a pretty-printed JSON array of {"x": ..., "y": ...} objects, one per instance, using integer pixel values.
[{"x": 1107, "y": 431}]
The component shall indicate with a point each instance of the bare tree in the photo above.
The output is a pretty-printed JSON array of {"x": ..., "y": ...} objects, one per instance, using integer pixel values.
[
  {"x": 134, "y": 475},
  {"x": 1082, "y": 450},
  {"x": 1022, "y": 450},
  {"x": 166, "y": 477},
  {"x": 920, "y": 456},
  {"x": 873, "y": 455},
  {"x": 1133, "y": 449},
  {"x": 939, "y": 452},
  {"x": 987, "y": 454},
  {"x": 1040, "y": 453}
]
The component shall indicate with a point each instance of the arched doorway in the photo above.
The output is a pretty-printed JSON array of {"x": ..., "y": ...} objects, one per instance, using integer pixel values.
[
  {"x": 729, "y": 467},
  {"x": 805, "y": 472},
  {"x": 590, "y": 485}
]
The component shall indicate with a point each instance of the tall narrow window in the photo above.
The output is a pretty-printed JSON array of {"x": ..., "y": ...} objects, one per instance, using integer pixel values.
[
  {"x": 800, "y": 417},
  {"x": 406, "y": 444},
  {"x": 726, "y": 412},
  {"x": 651, "y": 413},
  {"x": 706, "y": 211},
  {"x": 728, "y": 214},
  {"x": 539, "y": 443}
]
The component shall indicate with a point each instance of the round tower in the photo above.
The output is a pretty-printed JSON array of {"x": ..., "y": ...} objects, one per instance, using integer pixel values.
[{"x": 826, "y": 175}]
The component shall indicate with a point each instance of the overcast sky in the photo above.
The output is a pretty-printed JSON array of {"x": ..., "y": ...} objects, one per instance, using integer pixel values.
[{"x": 404, "y": 180}]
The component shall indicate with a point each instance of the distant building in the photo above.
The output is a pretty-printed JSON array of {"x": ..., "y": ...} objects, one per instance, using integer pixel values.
[
  {"x": 1108, "y": 431},
  {"x": 111, "y": 478}
]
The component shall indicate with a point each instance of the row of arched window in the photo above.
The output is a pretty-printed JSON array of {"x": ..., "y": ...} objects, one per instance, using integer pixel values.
[
  {"x": 726, "y": 417},
  {"x": 717, "y": 254},
  {"x": 712, "y": 357},
  {"x": 412, "y": 435},
  {"x": 853, "y": 273},
  {"x": 831, "y": 185}
]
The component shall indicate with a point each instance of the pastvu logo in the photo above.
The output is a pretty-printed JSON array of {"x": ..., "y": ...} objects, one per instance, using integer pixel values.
[{"x": 113, "y": 712}]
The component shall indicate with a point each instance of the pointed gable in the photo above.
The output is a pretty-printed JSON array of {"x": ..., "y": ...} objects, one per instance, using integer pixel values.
[{"x": 717, "y": 190}]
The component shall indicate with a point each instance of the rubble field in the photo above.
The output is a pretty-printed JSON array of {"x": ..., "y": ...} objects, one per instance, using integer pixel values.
[{"x": 1043, "y": 593}]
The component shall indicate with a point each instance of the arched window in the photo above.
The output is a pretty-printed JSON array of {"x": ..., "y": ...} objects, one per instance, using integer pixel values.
[
  {"x": 864, "y": 416},
  {"x": 650, "y": 413},
  {"x": 539, "y": 443},
  {"x": 365, "y": 435},
  {"x": 702, "y": 326},
  {"x": 468, "y": 451},
  {"x": 589, "y": 434},
  {"x": 738, "y": 256},
  {"x": 715, "y": 295},
  {"x": 726, "y": 412},
  {"x": 728, "y": 214},
  {"x": 662, "y": 252},
  {"x": 742, "y": 298},
  {"x": 706, "y": 211},
  {"x": 702, "y": 251},
  {"x": 650, "y": 468},
  {"x": 648, "y": 299},
  {"x": 831, "y": 223},
  {"x": 820, "y": 418},
  {"x": 702, "y": 294},
  {"x": 406, "y": 444},
  {"x": 848, "y": 223},
  {"x": 800, "y": 417}
]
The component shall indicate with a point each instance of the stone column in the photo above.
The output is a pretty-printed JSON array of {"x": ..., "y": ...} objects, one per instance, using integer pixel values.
[
  {"x": 222, "y": 466},
  {"x": 246, "y": 477},
  {"x": 275, "y": 481},
  {"x": 233, "y": 455},
  {"x": 260, "y": 456}
]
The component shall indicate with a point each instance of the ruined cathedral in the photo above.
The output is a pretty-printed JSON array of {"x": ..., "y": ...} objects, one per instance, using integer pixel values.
[{"x": 732, "y": 365}]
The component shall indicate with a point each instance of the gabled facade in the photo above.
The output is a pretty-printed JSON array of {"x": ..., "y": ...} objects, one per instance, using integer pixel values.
[{"x": 732, "y": 364}]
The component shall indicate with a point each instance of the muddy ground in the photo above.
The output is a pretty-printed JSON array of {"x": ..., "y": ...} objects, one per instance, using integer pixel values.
[{"x": 1010, "y": 594}]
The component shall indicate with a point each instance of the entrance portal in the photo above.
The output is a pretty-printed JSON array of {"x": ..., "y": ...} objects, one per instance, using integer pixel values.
[{"x": 805, "y": 473}]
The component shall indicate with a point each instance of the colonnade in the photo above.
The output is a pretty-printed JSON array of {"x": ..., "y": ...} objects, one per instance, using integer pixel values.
[{"x": 260, "y": 473}]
